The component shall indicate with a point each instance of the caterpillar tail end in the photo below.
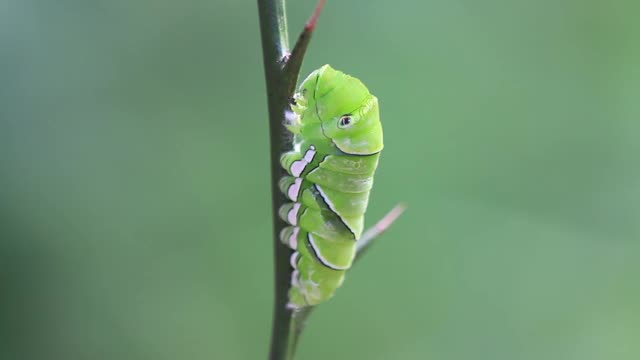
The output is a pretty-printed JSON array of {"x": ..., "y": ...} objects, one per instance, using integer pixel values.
[{"x": 296, "y": 300}]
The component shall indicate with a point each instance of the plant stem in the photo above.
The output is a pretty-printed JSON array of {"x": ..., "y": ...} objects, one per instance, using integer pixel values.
[
  {"x": 273, "y": 29},
  {"x": 281, "y": 75}
]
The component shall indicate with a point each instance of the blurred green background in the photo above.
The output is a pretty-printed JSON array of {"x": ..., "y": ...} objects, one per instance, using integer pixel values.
[{"x": 134, "y": 204}]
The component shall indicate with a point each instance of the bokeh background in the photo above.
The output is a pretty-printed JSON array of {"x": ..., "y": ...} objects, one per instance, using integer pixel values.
[{"x": 134, "y": 186}]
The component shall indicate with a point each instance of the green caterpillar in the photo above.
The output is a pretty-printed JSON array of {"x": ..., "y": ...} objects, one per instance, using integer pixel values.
[{"x": 336, "y": 145}]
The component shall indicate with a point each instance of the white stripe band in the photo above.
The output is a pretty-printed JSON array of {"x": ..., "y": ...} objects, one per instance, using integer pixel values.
[
  {"x": 333, "y": 208},
  {"x": 324, "y": 261}
]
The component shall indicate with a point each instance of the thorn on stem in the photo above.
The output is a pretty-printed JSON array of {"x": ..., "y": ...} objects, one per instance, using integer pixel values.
[
  {"x": 293, "y": 63},
  {"x": 313, "y": 21}
]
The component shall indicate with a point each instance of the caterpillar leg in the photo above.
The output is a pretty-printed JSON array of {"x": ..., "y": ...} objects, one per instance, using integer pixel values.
[
  {"x": 324, "y": 223},
  {"x": 289, "y": 236}
]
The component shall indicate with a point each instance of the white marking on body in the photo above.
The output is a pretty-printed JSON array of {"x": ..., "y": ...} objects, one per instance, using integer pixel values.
[
  {"x": 298, "y": 166},
  {"x": 322, "y": 259},
  {"x": 294, "y": 260},
  {"x": 310, "y": 154},
  {"x": 294, "y": 189},
  {"x": 293, "y": 214},
  {"x": 291, "y": 117},
  {"x": 332, "y": 207},
  {"x": 293, "y": 239},
  {"x": 294, "y": 278}
]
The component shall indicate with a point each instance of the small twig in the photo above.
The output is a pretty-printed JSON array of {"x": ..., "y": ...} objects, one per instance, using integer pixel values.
[{"x": 380, "y": 227}]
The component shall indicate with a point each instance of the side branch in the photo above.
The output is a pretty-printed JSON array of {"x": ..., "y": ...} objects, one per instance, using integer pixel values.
[{"x": 380, "y": 227}]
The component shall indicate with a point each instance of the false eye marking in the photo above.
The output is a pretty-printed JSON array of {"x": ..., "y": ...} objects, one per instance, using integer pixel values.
[
  {"x": 345, "y": 121},
  {"x": 298, "y": 166}
]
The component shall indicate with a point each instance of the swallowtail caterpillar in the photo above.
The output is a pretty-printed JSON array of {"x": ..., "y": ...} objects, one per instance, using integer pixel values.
[{"x": 337, "y": 139}]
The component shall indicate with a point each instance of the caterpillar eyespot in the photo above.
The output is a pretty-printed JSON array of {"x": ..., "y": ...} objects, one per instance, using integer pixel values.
[
  {"x": 330, "y": 177},
  {"x": 344, "y": 121}
]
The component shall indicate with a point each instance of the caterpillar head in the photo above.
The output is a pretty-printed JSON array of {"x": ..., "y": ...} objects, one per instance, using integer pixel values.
[{"x": 348, "y": 112}]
